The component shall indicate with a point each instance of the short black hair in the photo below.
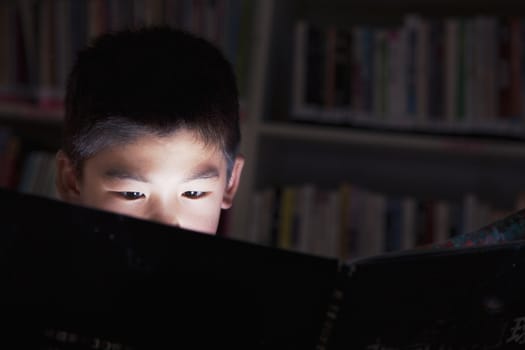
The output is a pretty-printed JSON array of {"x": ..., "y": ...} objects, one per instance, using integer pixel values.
[{"x": 149, "y": 80}]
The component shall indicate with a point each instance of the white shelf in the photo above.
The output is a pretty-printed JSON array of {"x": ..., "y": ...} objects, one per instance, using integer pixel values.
[{"x": 427, "y": 143}]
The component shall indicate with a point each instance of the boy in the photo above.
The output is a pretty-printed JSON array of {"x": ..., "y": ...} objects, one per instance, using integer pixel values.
[{"x": 152, "y": 129}]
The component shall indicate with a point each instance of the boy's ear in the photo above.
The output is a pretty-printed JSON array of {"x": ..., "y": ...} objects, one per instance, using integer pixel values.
[
  {"x": 66, "y": 179},
  {"x": 233, "y": 183}
]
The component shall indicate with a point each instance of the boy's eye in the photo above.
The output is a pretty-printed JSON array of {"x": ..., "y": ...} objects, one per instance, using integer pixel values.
[
  {"x": 131, "y": 195},
  {"x": 194, "y": 194}
]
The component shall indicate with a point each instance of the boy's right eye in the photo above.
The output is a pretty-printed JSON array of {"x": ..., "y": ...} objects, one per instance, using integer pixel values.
[{"x": 131, "y": 195}]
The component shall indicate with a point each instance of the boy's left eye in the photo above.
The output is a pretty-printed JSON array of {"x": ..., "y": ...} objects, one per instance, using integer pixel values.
[
  {"x": 131, "y": 195},
  {"x": 194, "y": 194}
]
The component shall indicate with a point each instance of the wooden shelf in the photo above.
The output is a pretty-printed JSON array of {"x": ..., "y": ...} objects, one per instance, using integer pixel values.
[
  {"x": 427, "y": 143},
  {"x": 30, "y": 114},
  {"x": 38, "y": 128}
]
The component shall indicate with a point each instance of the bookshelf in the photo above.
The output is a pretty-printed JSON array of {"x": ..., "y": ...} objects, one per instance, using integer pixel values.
[
  {"x": 473, "y": 165},
  {"x": 38, "y": 44},
  {"x": 427, "y": 160}
]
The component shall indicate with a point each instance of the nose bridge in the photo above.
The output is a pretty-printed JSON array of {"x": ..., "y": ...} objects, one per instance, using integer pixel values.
[{"x": 164, "y": 211}]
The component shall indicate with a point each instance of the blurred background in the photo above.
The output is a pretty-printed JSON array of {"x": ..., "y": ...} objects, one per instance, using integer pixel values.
[{"x": 368, "y": 125}]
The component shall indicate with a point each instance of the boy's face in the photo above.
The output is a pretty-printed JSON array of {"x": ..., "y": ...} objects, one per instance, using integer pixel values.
[{"x": 173, "y": 179}]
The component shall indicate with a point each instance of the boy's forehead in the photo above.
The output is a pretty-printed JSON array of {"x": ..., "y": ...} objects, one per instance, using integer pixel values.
[
  {"x": 147, "y": 147},
  {"x": 184, "y": 151},
  {"x": 180, "y": 136},
  {"x": 188, "y": 138},
  {"x": 184, "y": 144}
]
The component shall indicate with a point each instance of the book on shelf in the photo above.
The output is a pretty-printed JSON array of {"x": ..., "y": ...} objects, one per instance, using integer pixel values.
[
  {"x": 39, "y": 40},
  {"x": 37, "y": 174},
  {"x": 350, "y": 221},
  {"x": 27, "y": 170},
  {"x": 81, "y": 278},
  {"x": 9, "y": 151},
  {"x": 449, "y": 74}
]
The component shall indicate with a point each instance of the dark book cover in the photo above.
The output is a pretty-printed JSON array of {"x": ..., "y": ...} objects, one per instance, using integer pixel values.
[
  {"x": 315, "y": 65},
  {"x": 457, "y": 299},
  {"x": 343, "y": 68},
  {"x": 436, "y": 71},
  {"x": 79, "y": 278}
]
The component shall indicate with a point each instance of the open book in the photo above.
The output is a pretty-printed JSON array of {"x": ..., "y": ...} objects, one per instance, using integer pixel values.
[{"x": 79, "y": 278}]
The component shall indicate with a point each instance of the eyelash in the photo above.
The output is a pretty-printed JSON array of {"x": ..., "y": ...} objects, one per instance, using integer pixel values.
[
  {"x": 129, "y": 195},
  {"x": 132, "y": 195},
  {"x": 194, "y": 194}
]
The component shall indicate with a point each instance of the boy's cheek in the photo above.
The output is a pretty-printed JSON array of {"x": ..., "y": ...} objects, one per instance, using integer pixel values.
[
  {"x": 196, "y": 215},
  {"x": 203, "y": 218},
  {"x": 209, "y": 226},
  {"x": 93, "y": 198}
]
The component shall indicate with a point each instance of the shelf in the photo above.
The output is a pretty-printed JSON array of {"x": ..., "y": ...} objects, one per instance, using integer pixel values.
[
  {"x": 419, "y": 155},
  {"x": 21, "y": 113},
  {"x": 402, "y": 140},
  {"x": 38, "y": 128},
  {"x": 387, "y": 9}
]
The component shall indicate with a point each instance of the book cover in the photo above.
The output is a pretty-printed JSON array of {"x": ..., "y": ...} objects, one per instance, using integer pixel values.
[
  {"x": 79, "y": 278},
  {"x": 73, "y": 277}
]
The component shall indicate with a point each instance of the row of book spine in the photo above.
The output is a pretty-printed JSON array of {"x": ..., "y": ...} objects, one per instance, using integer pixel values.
[
  {"x": 351, "y": 222},
  {"x": 27, "y": 171},
  {"x": 39, "y": 39},
  {"x": 462, "y": 74}
]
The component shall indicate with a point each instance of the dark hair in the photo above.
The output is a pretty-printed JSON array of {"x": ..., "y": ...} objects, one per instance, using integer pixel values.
[{"x": 149, "y": 80}]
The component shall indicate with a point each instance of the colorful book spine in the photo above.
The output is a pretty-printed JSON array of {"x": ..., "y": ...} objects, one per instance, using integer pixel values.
[
  {"x": 40, "y": 39},
  {"x": 450, "y": 74},
  {"x": 351, "y": 221}
]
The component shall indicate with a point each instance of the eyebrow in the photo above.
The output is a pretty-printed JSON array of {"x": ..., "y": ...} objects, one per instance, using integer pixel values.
[
  {"x": 204, "y": 172},
  {"x": 121, "y": 174}
]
